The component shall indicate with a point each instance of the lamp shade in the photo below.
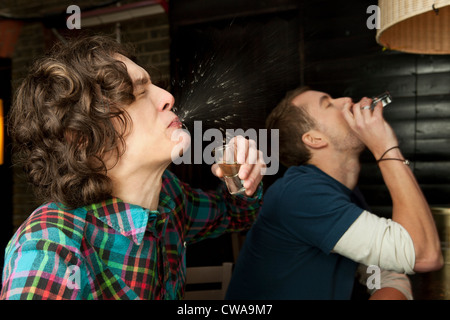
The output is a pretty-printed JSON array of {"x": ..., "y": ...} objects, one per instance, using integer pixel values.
[{"x": 415, "y": 26}]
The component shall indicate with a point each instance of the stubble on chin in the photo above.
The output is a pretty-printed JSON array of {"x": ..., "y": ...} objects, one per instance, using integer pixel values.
[{"x": 349, "y": 143}]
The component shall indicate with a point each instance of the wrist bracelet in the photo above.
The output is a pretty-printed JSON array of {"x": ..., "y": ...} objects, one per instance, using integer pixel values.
[{"x": 405, "y": 161}]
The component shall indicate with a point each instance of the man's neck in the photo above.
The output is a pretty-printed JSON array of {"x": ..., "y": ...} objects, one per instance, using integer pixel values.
[
  {"x": 344, "y": 168},
  {"x": 139, "y": 187}
]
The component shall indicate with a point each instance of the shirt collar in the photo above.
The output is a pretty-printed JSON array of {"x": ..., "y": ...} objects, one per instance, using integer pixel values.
[
  {"x": 344, "y": 188},
  {"x": 132, "y": 220}
]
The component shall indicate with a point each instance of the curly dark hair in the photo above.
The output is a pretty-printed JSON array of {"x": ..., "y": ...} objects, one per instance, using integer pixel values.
[
  {"x": 61, "y": 119},
  {"x": 292, "y": 122}
]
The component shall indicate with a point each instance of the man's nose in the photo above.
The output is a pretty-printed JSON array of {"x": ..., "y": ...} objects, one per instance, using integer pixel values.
[{"x": 165, "y": 99}]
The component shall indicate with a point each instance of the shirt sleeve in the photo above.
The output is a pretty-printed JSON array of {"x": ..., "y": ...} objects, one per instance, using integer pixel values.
[
  {"x": 42, "y": 270},
  {"x": 315, "y": 211},
  {"x": 376, "y": 278},
  {"x": 374, "y": 240},
  {"x": 210, "y": 214}
]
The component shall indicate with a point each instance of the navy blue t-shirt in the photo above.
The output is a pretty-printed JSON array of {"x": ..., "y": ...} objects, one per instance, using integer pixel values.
[{"x": 287, "y": 252}]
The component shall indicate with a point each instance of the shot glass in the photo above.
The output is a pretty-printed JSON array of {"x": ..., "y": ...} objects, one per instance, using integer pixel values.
[
  {"x": 385, "y": 99},
  {"x": 226, "y": 157}
]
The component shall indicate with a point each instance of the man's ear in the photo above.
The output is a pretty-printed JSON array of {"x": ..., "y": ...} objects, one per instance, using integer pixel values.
[{"x": 314, "y": 139}]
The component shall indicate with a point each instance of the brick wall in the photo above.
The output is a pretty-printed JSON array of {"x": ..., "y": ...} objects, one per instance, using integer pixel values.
[{"x": 150, "y": 35}]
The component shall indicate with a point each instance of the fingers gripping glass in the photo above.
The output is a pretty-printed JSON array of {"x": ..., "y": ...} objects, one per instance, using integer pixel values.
[
  {"x": 226, "y": 157},
  {"x": 385, "y": 98}
]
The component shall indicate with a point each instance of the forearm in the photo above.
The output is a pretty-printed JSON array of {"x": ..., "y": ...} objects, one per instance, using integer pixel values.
[
  {"x": 412, "y": 211},
  {"x": 210, "y": 214},
  {"x": 410, "y": 208},
  {"x": 387, "y": 294},
  {"x": 242, "y": 209}
]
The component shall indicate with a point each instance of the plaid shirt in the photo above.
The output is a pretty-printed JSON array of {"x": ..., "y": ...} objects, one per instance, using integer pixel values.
[{"x": 116, "y": 250}]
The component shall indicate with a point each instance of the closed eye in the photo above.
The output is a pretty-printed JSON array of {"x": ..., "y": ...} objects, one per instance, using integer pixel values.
[
  {"x": 141, "y": 84},
  {"x": 142, "y": 93}
]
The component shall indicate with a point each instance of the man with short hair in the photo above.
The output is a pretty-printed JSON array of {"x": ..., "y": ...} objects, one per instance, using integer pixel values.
[{"x": 313, "y": 229}]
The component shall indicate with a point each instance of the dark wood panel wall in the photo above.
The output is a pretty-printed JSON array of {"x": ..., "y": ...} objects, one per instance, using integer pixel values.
[
  {"x": 244, "y": 54},
  {"x": 341, "y": 57}
]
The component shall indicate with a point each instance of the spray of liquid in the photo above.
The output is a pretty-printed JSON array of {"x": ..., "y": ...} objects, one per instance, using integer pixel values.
[
  {"x": 236, "y": 85},
  {"x": 212, "y": 95}
]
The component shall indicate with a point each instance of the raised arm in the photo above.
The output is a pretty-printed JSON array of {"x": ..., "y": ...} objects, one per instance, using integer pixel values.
[{"x": 410, "y": 208}]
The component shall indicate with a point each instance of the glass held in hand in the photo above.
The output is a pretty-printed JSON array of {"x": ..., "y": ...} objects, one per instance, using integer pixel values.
[
  {"x": 385, "y": 98},
  {"x": 226, "y": 157}
]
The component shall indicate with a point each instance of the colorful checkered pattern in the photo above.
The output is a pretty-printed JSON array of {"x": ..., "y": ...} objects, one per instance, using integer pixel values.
[{"x": 116, "y": 250}]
